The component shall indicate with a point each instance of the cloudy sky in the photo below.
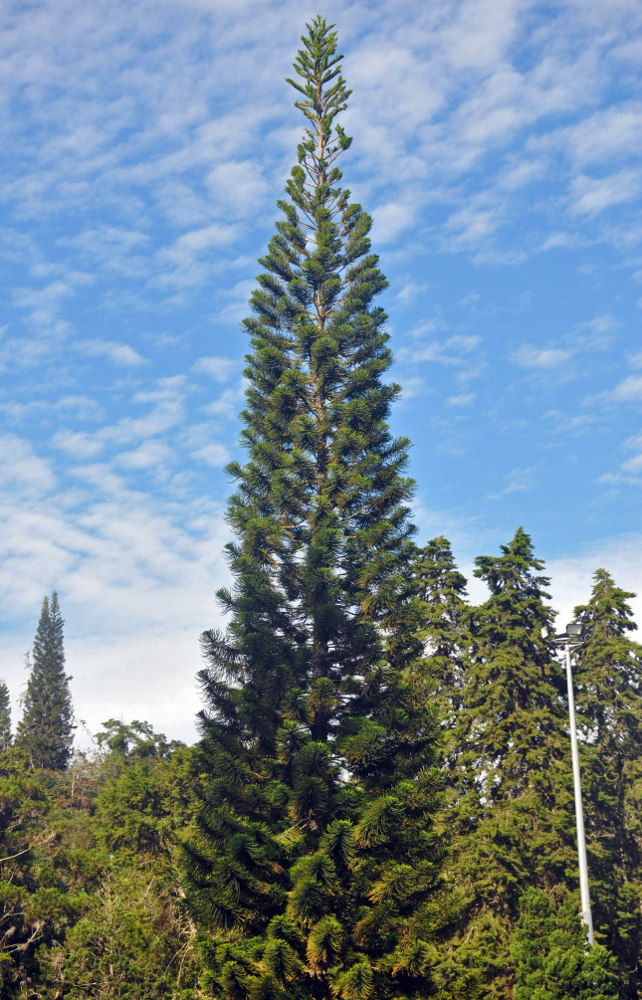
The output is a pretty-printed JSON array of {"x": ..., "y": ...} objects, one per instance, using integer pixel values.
[{"x": 144, "y": 144}]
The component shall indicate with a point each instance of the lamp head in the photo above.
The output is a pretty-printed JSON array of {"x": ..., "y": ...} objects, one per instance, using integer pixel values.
[{"x": 574, "y": 630}]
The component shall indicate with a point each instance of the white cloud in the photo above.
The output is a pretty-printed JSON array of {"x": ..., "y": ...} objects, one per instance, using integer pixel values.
[
  {"x": 391, "y": 219},
  {"x": 43, "y": 307},
  {"x": 228, "y": 404},
  {"x": 471, "y": 226},
  {"x": 545, "y": 358},
  {"x": 188, "y": 261},
  {"x": 77, "y": 444},
  {"x": 119, "y": 354},
  {"x": 451, "y": 351},
  {"x": 571, "y": 576},
  {"x": 165, "y": 415},
  {"x": 633, "y": 465},
  {"x": 410, "y": 292},
  {"x": 105, "y": 241},
  {"x": 629, "y": 390},
  {"x": 518, "y": 480},
  {"x": 41, "y": 300},
  {"x": 135, "y": 586},
  {"x": 237, "y": 307},
  {"x": 198, "y": 240},
  {"x": 463, "y": 400},
  {"x": 83, "y": 407},
  {"x": 214, "y": 454},
  {"x": 238, "y": 185},
  {"x": 20, "y": 466},
  {"x": 590, "y": 195},
  {"x": 217, "y": 368},
  {"x": 596, "y": 334},
  {"x": 149, "y": 454},
  {"x": 563, "y": 423},
  {"x": 413, "y": 387},
  {"x": 606, "y": 134}
]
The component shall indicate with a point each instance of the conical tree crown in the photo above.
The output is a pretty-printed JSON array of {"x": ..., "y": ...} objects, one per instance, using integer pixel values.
[
  {"x": 320, "y": 511},
  {"x": 46, "y": 729},
  {"x": 609, "y": 665},
  {"x": 314, "y": 845},
  {"x": 513, "y": 682},
  {"x": 5, "y": 717},
  {"x": 510, "y": 805},
  {"x": 607, "y": 677},
  {"x": 445, "y": 618}
]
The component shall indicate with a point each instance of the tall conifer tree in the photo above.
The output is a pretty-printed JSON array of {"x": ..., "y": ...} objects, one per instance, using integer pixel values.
[
  {"x": 511, "y": 822},
  {"x": 608, "y": 679},
  {"x": 445, "y": 630},
  {"x": 5, "y": 717},
  {"x": 513, "y": 700},
  {"x": 551, "y": 958},
  {"x": 45, "y": 731},
  {"x": 314, "y": 848}
]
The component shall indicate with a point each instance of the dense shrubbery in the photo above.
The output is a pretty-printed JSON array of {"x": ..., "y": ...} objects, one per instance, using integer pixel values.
[{"x": 91, "y": 901}]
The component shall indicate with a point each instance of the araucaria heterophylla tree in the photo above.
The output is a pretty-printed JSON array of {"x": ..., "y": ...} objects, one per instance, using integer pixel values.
[
  {"x": 5, "y": 717},
  {"x": 46, "y": 730},
  {"x": 314, "y": 850}
]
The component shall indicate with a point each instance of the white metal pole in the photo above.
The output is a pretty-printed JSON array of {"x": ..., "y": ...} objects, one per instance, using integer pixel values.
[{"x": 579, "y": 816}]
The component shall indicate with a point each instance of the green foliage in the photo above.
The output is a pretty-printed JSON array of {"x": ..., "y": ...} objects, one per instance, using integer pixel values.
[
  {"x": 45, "y": 732},
  {"x": 445, "y": 619},
  {"x": 380, "y": 807},
  {"x": 5, "y": 717},
  {"x": 513, "y": 707},
  {"x": 149, "y": 794},
  {"x": 553, "y": 961},
  {"x": 607, "y": 675},
  {"x": 128, "y": 943},
  {"x": 90, "y": 903},
  {"x": 24, "y": 835},
  {"x": 510, "y": 818},
  {"x": 318, "y": 743}
]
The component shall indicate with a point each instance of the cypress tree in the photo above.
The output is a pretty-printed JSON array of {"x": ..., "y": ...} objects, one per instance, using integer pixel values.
[
  {"x": 5, "y": 717},
  {"x": 45, "y": 732},
  {"x": 314, "y": 847},
  {"x": 607, "y": 676}
]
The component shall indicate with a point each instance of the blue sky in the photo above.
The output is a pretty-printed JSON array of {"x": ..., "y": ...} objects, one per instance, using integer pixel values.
[{"x": 144, "y": 144}]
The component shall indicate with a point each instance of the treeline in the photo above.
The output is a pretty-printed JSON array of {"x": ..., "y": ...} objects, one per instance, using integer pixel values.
[
  {"x": 380, "y": 806},
  {"x": 90, "y": 899},
  {"x": 99, "y": 849}
]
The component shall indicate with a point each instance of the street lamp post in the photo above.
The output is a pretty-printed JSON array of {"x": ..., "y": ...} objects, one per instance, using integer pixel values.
[{"x": 565, "y": 639}]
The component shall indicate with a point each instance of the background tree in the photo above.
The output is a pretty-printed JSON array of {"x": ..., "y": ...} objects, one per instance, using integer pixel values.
[
  {"x": 90, "y": 900},
  {"x": 132, "y": 937},
  {"x": 510, "y": 812},
  {"x": 445, "y": 623},
  {"x": 45, "y": 732},
  {"x": 608, "y": 677},
  {"x": 5, "y": 717},
  {"x": 315, "y": 845},
  {"x": 550, "y": 954}
]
